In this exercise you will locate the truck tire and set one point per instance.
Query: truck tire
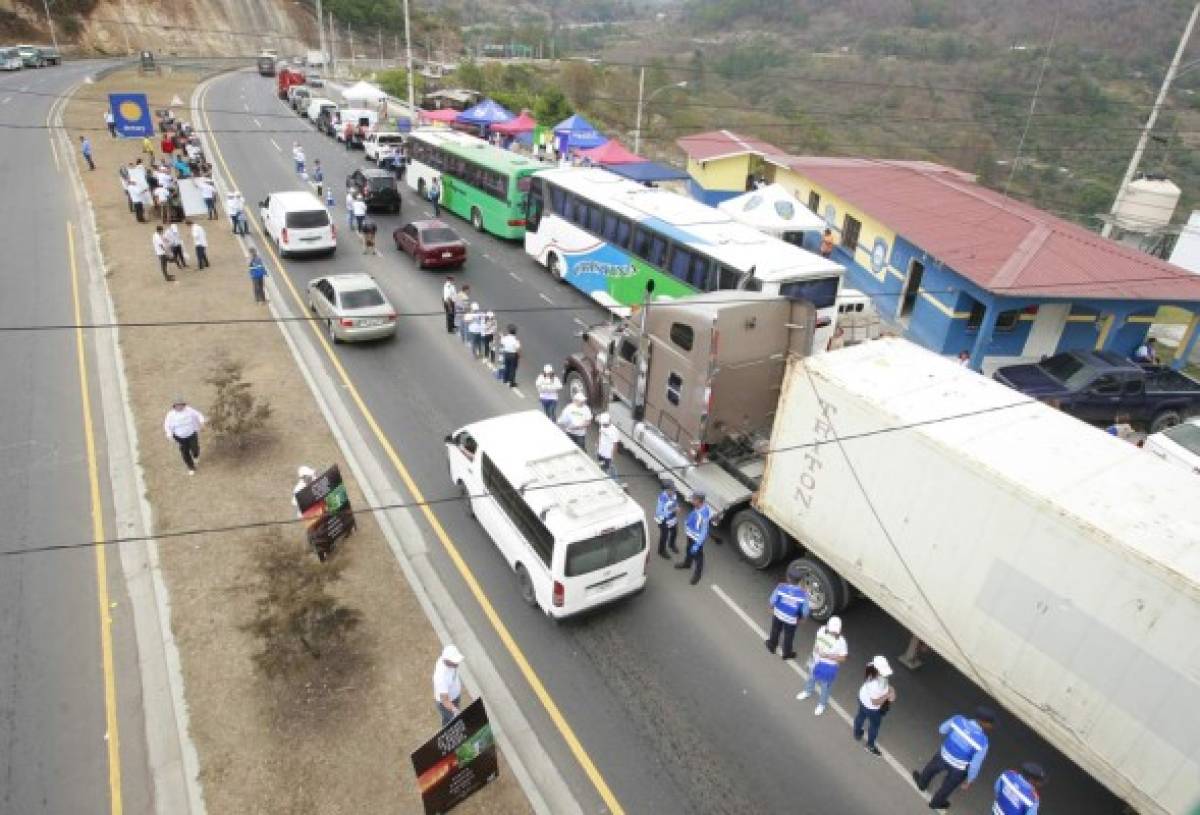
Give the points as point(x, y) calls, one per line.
point(1165, 419)
point(827, 591)
point(758, 540)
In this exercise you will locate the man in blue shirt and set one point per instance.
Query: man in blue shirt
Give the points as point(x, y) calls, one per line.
point(960, 757)
point(666, 515)
point(85, 147)
point(258, 274)
point(696, 528)
point(789, 605)
point(1017, 792)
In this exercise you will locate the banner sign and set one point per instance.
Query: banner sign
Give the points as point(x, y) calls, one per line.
point(456, 762)
point(131, 113)
point(325, 507)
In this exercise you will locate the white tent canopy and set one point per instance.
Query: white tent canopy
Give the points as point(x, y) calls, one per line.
point(772, 209)
point(363, 92)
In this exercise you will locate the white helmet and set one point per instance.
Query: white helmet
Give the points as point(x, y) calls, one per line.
point(549, 369)
point(604, 418)
point(579, 398)
point(474, 307)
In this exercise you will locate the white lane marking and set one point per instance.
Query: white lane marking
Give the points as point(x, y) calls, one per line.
point(580, 323)
point(245, 107)
point(256, 121)
point(517, 393)
point(514, 276)
point(5, 100)
point(547, 299)
point(761, 633)
point(277, 147)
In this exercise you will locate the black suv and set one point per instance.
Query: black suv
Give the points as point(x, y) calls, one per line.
point(378, 188)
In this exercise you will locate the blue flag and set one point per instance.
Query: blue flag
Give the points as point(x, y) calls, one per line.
point(132, 114)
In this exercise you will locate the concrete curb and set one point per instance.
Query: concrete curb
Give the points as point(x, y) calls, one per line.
point(537, 774)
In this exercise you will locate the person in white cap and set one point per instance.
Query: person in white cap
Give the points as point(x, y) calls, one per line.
point(875, 697)
point(575, 420)
point(306, 475)
point(608, 441)
point(828, 654)
point(182, 426)
point(447, 686)
point(548, 385)
point(475, 319)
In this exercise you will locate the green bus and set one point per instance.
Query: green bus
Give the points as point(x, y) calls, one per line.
point(480, 182)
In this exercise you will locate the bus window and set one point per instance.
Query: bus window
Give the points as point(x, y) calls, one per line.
point(558, 200)
point(657, 256)
point(728, 278)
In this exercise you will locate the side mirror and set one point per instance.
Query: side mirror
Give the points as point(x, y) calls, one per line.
point(264, 203)
point(449, 439)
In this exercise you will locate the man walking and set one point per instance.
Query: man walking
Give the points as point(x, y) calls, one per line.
point(449, 298)
point(447, 686)
point(235, 205)
point(435, 196)
point(696, 529)
point(666, 515)
point(318, 177)
point(159, 241)
point(360, 212)
point(200, 244)
point(175, 244)
point(510, 355)
point(209, 191)
point(875, 698)
point(960, 757)
point(1017, 792)
point(85, 147)
point(298, 157)
point(548, 385)
point(182, 426)
point(608, 441)
point(828, 654)
point(575, 420)
point(258, 276)
point(111, 123)
point(369, 229)
point(350, 209)
point(789, 605)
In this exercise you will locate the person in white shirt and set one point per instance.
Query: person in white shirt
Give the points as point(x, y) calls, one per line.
point(306, 475)
point(829, 652)
point(608, 441)
point(447, 685)
point(510, 355)
point(350, 209)
point(874, 698)
point(200, 244)
point(575, 420)
point(135, 200)
point(182, 426)
point(475, 319)
point(489, 333)
point(449, 293)
point(175, 244)
point(359, 207)
point(235, 205)
point(159, 241)
point(111, 123)
point(548, 385)
point(162, 205)
point(209, 192)
point(298, 157)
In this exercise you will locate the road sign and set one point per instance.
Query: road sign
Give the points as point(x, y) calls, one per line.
point(456, 762)
point(131, 113)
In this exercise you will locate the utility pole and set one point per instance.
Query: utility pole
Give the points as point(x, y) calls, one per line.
point(637, 128)
point(320, 35)
point(332, 46)
point(1136, 159)
point(396, 48)
point(350, 31)
point(412, 106)
point(50, 22)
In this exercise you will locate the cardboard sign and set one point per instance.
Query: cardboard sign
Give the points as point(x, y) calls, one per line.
point(456, 762)
point(192, 198)
point(325, 507)
point(131, 114)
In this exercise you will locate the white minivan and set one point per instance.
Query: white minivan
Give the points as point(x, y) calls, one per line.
point(574, 538)
point(298, 223)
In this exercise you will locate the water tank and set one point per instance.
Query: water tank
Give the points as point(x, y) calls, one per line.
point(1148, 204)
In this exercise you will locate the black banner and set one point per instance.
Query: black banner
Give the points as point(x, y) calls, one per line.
point(456, 762)
point(326, 510)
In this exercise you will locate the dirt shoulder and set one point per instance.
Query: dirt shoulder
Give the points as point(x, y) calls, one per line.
point(324, 735)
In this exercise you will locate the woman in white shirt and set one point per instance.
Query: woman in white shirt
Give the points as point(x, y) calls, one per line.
point(874, 698)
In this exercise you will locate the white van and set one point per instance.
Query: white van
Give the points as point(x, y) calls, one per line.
point(572, 535)
point(378, 146)
point(315, 105)
point(297, 222)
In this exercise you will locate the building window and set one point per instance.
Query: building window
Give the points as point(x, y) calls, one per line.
point(1007, 320)
point(850, 229)
point(814, 201)
point(976, 318)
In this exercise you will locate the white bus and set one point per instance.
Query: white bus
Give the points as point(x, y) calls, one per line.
point(574, 538)
point(610, 237)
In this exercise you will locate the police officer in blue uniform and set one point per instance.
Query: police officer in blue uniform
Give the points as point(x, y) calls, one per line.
point(789, 605)
point(696, 529)
point(960, 757)
point(666, 515)
point(1017, 791)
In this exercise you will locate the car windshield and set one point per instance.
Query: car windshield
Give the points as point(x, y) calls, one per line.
point(440, 235)
point(377, 182)
point(361, 298)
point(1186, 435)
point(1067, 369)
point(606, 549)
point(307, 219)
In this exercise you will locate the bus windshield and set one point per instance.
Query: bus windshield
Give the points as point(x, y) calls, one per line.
point(606, 549)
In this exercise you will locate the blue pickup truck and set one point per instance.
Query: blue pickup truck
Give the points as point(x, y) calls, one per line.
point(1097, 386)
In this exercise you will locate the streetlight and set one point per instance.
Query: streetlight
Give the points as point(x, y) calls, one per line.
point(637, 130)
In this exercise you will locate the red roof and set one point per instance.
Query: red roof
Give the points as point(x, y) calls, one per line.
point(1003, 245)
point(440, 115)
point(724, 144)
point(612, 152)
point(520, 124)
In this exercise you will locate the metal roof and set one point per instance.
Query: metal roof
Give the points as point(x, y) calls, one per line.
point(718, 144)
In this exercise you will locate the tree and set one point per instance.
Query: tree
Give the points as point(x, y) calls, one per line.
point(237, 416)
point(551, 107)
point(469, 75)
point(579, 79)
point(395, 82)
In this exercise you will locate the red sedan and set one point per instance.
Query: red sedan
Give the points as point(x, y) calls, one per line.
point(432, 244)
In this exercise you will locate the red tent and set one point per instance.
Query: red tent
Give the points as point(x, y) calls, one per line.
point(443, 115)
point(521, 124)
point(611, 152)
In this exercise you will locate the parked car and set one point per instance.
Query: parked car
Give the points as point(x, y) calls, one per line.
point(378, 188)
point(297, 222)
point(10, 60)
point(378, 145)
point(1179, 445)
point(432, 244)
point(1096, 386)
point(352, 306)
point(50, 55)
point(298, 98)
point(31, 56)
point(315, 81)
point(317, 108)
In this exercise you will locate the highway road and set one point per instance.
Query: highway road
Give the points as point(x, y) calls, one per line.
point(54, 690)
point(671, 693)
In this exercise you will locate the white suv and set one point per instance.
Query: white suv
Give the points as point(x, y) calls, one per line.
point(378, 146)
point(298, 223)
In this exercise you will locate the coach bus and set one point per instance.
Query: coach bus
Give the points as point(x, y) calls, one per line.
point(480, 182)
point(609, 236)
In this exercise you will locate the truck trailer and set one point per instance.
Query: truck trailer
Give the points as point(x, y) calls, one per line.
point(1052, 564)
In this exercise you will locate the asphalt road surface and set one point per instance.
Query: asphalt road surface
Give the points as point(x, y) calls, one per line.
point(53, 739)
point(671, 693)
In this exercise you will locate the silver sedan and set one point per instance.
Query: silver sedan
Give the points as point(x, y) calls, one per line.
point(352, 307)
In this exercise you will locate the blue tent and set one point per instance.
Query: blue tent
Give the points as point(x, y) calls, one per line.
point(647, 171)
point(576, 133)
point(488, 112)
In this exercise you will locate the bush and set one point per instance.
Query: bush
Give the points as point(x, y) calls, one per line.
point(237, 416)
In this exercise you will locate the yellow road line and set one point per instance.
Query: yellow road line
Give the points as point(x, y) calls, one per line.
point(106, 650)
point(489, 611)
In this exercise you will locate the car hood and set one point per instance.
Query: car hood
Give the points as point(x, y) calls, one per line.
point(1030, 379)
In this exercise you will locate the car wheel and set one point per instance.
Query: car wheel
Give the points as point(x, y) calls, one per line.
point(526, 584)
point(554, 262)
point(1168, 418)
point(476, 219)
point(333, 337)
